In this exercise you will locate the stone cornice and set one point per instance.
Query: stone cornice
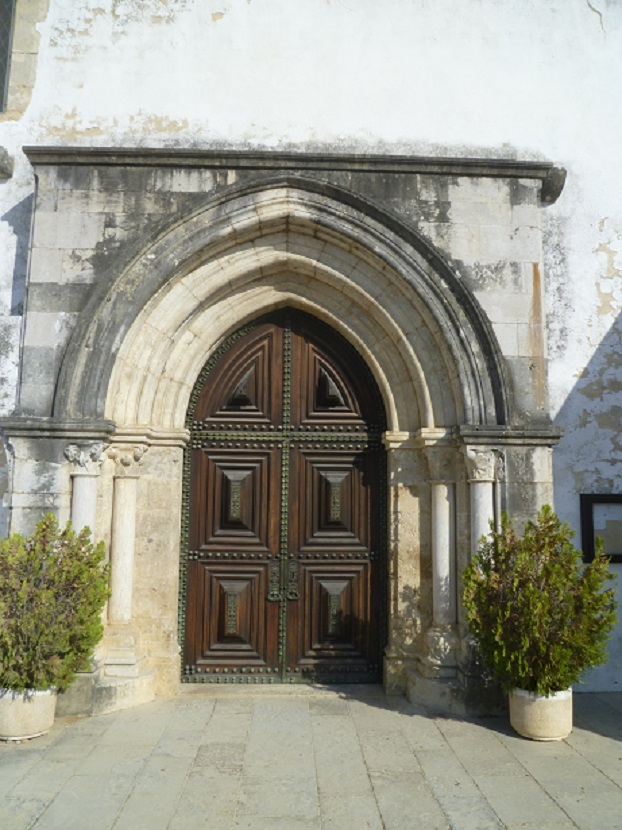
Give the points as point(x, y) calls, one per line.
point(31, 427)
point(152, 436)
point(501, 435)
point(552, 177)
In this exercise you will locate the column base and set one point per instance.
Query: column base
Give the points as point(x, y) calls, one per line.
point(78, 699)
point(439, 694)
point(114, 693)
point(123, 651)
point(93, 693)
point(458, 695)
point(441, 660)
point(394, 673)
point(452, 696)
point(448, 681)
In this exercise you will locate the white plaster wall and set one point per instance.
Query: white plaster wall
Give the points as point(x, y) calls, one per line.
point(509, 78)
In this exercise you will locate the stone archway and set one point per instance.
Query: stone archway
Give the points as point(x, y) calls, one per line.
point(378, 282)
point(423, 337)
point(139, 343)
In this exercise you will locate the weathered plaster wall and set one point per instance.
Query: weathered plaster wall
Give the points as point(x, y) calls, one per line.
point(519, 78)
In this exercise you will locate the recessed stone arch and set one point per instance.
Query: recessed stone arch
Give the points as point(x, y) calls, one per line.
point(143, 342)
point(144, 338)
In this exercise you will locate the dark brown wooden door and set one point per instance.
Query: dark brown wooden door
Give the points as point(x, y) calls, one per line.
point(284, 573)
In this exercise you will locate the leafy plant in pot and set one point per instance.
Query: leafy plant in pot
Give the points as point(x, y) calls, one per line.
point(53, 587)
point(540, 618)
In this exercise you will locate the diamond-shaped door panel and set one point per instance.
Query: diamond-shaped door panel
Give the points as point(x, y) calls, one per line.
point(238, 501)
point(335, 610)
point(245, 388)
point(233, 624)
point(335, 502)
point(235, 602)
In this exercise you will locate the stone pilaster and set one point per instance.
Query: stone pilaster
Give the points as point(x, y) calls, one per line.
point(86, 460)
point(481, 465)
point(441, 638)
point(122, 637)
point(441, 462)
point(403, 461)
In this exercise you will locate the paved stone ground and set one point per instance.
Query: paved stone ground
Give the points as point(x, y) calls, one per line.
point(311, 759)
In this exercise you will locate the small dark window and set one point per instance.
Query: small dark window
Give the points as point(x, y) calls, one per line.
point(601, 517)
point(7, 15)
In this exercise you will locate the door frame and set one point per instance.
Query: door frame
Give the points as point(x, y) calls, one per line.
point(188, 675)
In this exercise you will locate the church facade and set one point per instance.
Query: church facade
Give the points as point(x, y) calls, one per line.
point(289, 384)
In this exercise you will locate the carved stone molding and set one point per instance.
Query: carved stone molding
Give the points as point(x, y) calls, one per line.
point(399, 440)
point(552, 177)
point(552, 185)
point(500, 470)
point(481, 464)
point(443, 644)
point(86, 458)
point(127, 459)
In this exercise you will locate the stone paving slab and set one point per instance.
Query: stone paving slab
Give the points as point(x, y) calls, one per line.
point(308, 758)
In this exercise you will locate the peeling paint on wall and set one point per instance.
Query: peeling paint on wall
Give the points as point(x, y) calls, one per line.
point(611, 254)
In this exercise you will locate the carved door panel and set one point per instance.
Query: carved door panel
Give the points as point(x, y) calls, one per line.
point(285, 507)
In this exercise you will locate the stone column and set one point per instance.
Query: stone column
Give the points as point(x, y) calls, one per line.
point(443, 553)
point(87, 460)
point(443, 521)
point(122, 547)
point(481, 465)
point(441, 639)
point(123, 654)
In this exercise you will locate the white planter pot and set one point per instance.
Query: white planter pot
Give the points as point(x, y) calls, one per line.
point(541, 718)
point(26, 714)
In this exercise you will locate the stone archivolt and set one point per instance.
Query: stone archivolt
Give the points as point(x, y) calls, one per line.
point(260, 250)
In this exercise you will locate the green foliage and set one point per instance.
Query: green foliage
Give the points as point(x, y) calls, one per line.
point(53, 587)
point(539, 616)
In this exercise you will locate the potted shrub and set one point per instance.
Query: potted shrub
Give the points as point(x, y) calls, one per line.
point(540, 618)
point(53, 587)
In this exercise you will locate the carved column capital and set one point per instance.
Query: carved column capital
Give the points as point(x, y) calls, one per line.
point(481, 464)
point(126, 458)
point(86, 458)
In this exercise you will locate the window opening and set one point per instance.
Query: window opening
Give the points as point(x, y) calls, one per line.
point(7, 15)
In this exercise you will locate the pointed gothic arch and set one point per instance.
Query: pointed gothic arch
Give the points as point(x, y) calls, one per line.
point(144, 336)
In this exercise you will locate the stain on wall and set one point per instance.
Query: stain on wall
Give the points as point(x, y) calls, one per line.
point(536, 340)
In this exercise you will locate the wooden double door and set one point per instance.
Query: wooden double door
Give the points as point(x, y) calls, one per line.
point(285, 546)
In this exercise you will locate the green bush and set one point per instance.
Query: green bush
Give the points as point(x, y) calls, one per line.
point(53, 587)
point(539, 616)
